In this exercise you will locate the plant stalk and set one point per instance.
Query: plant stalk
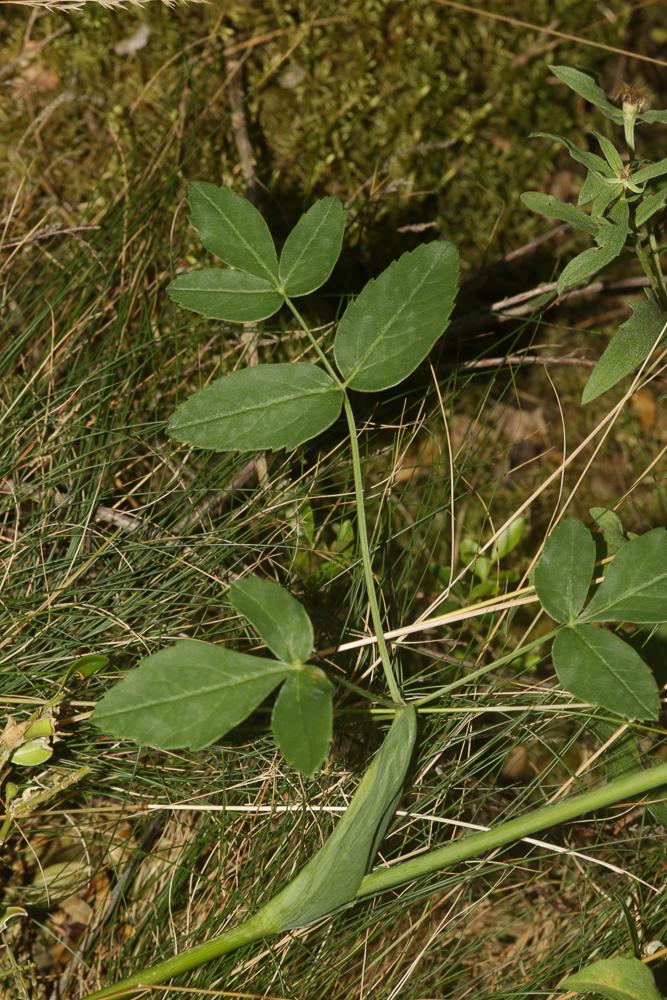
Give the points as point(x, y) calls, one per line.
point(627, 787)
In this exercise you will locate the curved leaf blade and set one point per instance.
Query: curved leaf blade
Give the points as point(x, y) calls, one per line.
point(187, 695)
point(628, 349)
point(553, 208)
point(231, 228)
point(598, 667)
point(615, 979)
point(279, 618)
point(229, 295)
point(312, 248)
point(611, 240)
point(586, 87)
point(397, 318)
point(259, 409)
point(635, 587)
point(564, 573)
point(591, 161)
point(302, 719)
point(332, 877)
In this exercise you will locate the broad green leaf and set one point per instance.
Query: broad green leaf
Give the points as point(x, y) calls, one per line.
point(592, 188)
point(259, 409)
point(231, 295)
point(586, 87)
point(312, 248)
point(611, 527)
point(187, 695)
point(650, 171)
point(610, 153)
point(650, 204)
point(604, 199)
point(598, 667)
point(555, 209)
point(332, 877)
point(302, 719)
point(564, 573)
point(628, 349)
point(635, 587)
point(590, 160)
point(615, 979)
point(231, 228)
point(611, 240)
point(279, 618)
point(397, 318)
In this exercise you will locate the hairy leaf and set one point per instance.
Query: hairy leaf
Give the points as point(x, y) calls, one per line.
point(653, 116)
point(397, 318)
point(187, 695)
point(231, 228)
point(564, 573)
point(302, 719)
point(263, 408)
point(635, 587)
point(651, 203)
point(545, 204)
point(230, 295)
point(610, 153)
point(590, 160)
point(312, 248)
point(615, 979)
point(611, 240)
point(650, 171)
point(598, 667)
point(332, 877)
point(279, 618)
point(628, 349)
point(586, 87)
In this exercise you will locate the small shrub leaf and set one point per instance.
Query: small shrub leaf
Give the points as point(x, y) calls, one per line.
point(628, 349)
point(611, 239)
point(229, 295)
point(279, 618)
point(259, 409)
point(586, 87)
point(564, 572)
point(635, 586)
point(397, 318)
point(649, 172)
point(653, 116)
point(187, 695)
point(598, 667)
point(651, 203)
point(610, 153)
point(302, 719)
point(552, 208)
point(332, 877)
point(615, 979)
point(312, 248)
point(589, 160)
point(231, 228)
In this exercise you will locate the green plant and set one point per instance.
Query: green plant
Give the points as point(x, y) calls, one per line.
point(624, 194)
point(381, 338)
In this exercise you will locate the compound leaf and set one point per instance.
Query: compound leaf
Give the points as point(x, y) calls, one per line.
point(279, 618)
point(611, 239)
point(598, 667)
point(545, 204)
point(564, 573)
point(187, 695)
point(302, 719)
point(635, 587)
point(231, 295)
point(586, 87)
point(332, 877)
point(231, 228)
point(312, 248)
point(397, 318)
point(256, 409)
point(615, 979)
point(628, 349)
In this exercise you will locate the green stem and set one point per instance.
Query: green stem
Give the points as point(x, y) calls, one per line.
point(362, 531)
point(661, 287)
point(627, 787)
